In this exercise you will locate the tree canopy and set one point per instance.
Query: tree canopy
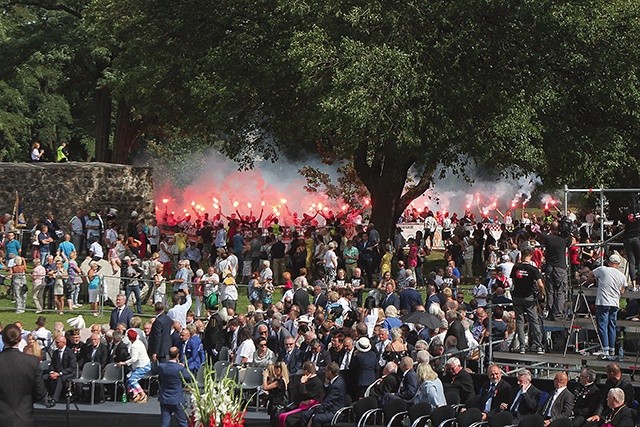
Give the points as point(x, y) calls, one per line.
point(395, 88)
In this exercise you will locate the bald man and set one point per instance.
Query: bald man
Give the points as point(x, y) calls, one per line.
point(560, 403)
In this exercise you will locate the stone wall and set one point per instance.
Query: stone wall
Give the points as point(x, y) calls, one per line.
point(62, 188)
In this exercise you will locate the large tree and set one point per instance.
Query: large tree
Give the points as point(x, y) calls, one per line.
point(398, 88)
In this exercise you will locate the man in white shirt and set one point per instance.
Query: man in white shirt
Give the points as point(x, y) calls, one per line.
point(560, 402)
point(611, 284)
point(95, 250)
point(179, 310)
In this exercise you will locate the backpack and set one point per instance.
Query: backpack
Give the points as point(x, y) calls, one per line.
point(211, 301)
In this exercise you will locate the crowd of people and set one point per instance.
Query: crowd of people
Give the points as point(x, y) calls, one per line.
point(324, 305)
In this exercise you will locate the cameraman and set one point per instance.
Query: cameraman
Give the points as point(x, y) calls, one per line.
point(555, 270)
point(611, 284)
point(527, 286)
point(132, 272)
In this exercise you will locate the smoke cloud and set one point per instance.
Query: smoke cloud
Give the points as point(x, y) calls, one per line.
point(213, 181)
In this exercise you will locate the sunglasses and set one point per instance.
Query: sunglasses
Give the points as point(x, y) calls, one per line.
point(263, 345)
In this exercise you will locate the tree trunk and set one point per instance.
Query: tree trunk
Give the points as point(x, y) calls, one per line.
point(385, 176)
point(103, 123)
point(126, 134)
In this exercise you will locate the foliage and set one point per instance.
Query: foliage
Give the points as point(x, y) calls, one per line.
point(348, 187)
point(45, 81)
point(393, 89)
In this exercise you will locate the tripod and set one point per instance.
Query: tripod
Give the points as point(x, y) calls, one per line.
point(70, 401)
point(581, 298)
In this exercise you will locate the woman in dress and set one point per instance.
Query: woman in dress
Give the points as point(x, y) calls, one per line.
point(310, 393)
point(140, 365)
point(263, 356)
point(371, 315)
point(60, 275)
point(275, 381)
point(94, 286)
point(397, 348)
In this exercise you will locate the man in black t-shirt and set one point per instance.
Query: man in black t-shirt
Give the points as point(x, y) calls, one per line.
point(527, 284)
point(555, 271)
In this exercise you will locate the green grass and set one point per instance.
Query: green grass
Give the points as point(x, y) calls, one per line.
point(28, 319)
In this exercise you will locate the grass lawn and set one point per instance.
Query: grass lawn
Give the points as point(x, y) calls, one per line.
point(28, 319)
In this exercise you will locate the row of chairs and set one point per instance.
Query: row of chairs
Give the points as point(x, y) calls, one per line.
point(365, 412)
point(251, 381)
point(112, 375)
point(395, 413)
point(90, 376)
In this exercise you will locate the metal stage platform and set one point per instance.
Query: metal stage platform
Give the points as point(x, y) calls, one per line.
point(546, 365)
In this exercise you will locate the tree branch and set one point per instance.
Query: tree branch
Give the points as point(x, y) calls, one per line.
point(416, 190)
point(43, 5)
point(360, 164)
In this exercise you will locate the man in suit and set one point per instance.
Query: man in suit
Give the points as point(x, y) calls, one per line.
point(301, 296)
point(334, 398)
point(277, 337)
point(494, 393)
point(461, 381)
point(614, 380)
point(171, 396)
point(160, 337)
point(586, 400)
point(20, 381)
point(560, 402)
point(319, 297)
point(318, 355)
point(524, 399)
point(231, 339)
point(95, 351)
point(410, 298)
point(388, 383)
point(191, 351)
point(120, 314)
point(391, 298)
point(291, 356)
point(456, 329)
point(62, 369)
point(408, 383)
point(119, 351)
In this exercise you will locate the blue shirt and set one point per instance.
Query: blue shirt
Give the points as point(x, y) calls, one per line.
point(12, 247)
point(67, 248)
point(238, 243)
point(183, 273)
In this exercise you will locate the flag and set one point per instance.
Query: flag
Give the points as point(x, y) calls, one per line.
point(18, 213)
